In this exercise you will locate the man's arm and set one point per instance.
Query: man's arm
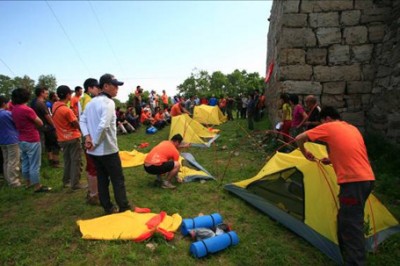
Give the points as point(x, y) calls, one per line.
point(300, 140)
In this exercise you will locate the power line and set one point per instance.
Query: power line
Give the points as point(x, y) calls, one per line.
point(105, 36)
point(66, 35)
point(4, 63)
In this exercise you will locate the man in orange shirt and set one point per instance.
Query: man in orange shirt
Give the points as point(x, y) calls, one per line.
point(75, 100)
point(164, 159)
point(159, 121)
point(349, 158)
point(178, 109)
point(164, 99)
point(68, 136)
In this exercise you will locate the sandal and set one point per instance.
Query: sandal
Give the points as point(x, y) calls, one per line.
point(43, 189)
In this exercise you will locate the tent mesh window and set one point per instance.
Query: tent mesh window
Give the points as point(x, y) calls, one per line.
point(284, 189)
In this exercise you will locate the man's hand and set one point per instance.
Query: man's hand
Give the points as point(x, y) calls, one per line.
point(309, 156)
point(89, 143)
point(325, 161)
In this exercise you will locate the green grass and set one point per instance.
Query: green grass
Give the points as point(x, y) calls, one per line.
point(41, 229)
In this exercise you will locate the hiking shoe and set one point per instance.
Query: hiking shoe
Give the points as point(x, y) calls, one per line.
point(167, 184)
point(94, 200)
point(43, 189)
point(112, 210)
point(79, 186)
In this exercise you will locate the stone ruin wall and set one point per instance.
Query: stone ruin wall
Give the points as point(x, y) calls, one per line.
point(347, 53)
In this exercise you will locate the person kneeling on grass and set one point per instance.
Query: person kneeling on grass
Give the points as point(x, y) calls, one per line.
point(164, 159)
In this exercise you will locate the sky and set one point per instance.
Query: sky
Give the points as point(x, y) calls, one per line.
point(154, 44)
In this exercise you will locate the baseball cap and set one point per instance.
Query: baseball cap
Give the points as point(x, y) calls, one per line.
point(108, 78)
point(63, 91)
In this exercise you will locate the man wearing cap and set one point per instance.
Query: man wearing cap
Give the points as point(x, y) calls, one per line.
point(68, 137)
point(91, 89)
point(98, 125)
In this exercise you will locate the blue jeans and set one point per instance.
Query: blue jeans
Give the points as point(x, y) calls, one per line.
point(31, 161)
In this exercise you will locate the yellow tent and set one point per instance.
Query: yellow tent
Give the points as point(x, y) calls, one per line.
point(210, 115)
point(302, 195)
point(192, 131)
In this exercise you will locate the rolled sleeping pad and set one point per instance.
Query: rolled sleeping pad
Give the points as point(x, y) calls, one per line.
point(206, 221)
point(214, 244)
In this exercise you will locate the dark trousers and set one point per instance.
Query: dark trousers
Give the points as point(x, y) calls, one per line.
point(108, 168)
point(72, 153)
point(352, 198)
point(250, 120)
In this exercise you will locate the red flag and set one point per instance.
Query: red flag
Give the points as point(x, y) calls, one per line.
point(269, 72)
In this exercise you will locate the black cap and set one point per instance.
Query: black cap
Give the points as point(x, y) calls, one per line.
point(63, 91)
point(108, 78)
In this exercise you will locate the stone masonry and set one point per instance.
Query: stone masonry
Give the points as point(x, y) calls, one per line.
point(345, 52)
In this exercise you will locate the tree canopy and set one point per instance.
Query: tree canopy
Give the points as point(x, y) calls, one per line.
point(202, 84)
point(7, 84)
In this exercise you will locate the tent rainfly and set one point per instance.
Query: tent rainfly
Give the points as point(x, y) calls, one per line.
point(192, 131)
point(209, 115)
point(302, 195)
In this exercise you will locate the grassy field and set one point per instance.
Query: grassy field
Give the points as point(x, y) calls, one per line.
point(41, 229)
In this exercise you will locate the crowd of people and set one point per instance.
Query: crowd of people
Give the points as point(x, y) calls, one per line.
point(61, 121)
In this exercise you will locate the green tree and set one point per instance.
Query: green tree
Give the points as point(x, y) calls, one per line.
point(219, 84)
point(25, 82)
point(6, 85)
point(48, 81)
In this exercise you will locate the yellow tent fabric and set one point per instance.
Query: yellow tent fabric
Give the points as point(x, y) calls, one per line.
point(318, 196)
point(210, 115)
point(124, 226)
point(131, 158)
point(192, 131)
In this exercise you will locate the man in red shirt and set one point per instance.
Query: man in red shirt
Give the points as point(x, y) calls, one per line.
point(178, 109)
point(164, 159)
point(349, 158)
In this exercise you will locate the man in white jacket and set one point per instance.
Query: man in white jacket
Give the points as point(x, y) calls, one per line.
point(98, 125)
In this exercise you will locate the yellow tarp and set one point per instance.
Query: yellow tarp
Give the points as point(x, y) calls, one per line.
point(125, 226)
point(210, 115)
point(132, 158)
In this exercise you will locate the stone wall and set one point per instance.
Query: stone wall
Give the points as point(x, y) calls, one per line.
point(346, 52)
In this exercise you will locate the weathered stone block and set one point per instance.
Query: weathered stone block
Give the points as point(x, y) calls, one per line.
point(382, 82)
point(359, 87)
point(337, 73)
point(384, 71)
point(355, 35)
point(338, 54)
point(363, 4)
point(316, 56)
point(357, 118)
point(336, 100)
point(375, 15)
point(294, 20)
point(350, 17)
point(328, 36)
point(353, 103)
point(296, 72)
point(322, 6)
point(334, 87)
point(362, 53)
point(291, 6)
point(330, 19)
point(376, 33)
point(297, 37)
point(302, 87)
point(366, 100)
point(377, 89)
point(368, 72)
point(292, 57)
